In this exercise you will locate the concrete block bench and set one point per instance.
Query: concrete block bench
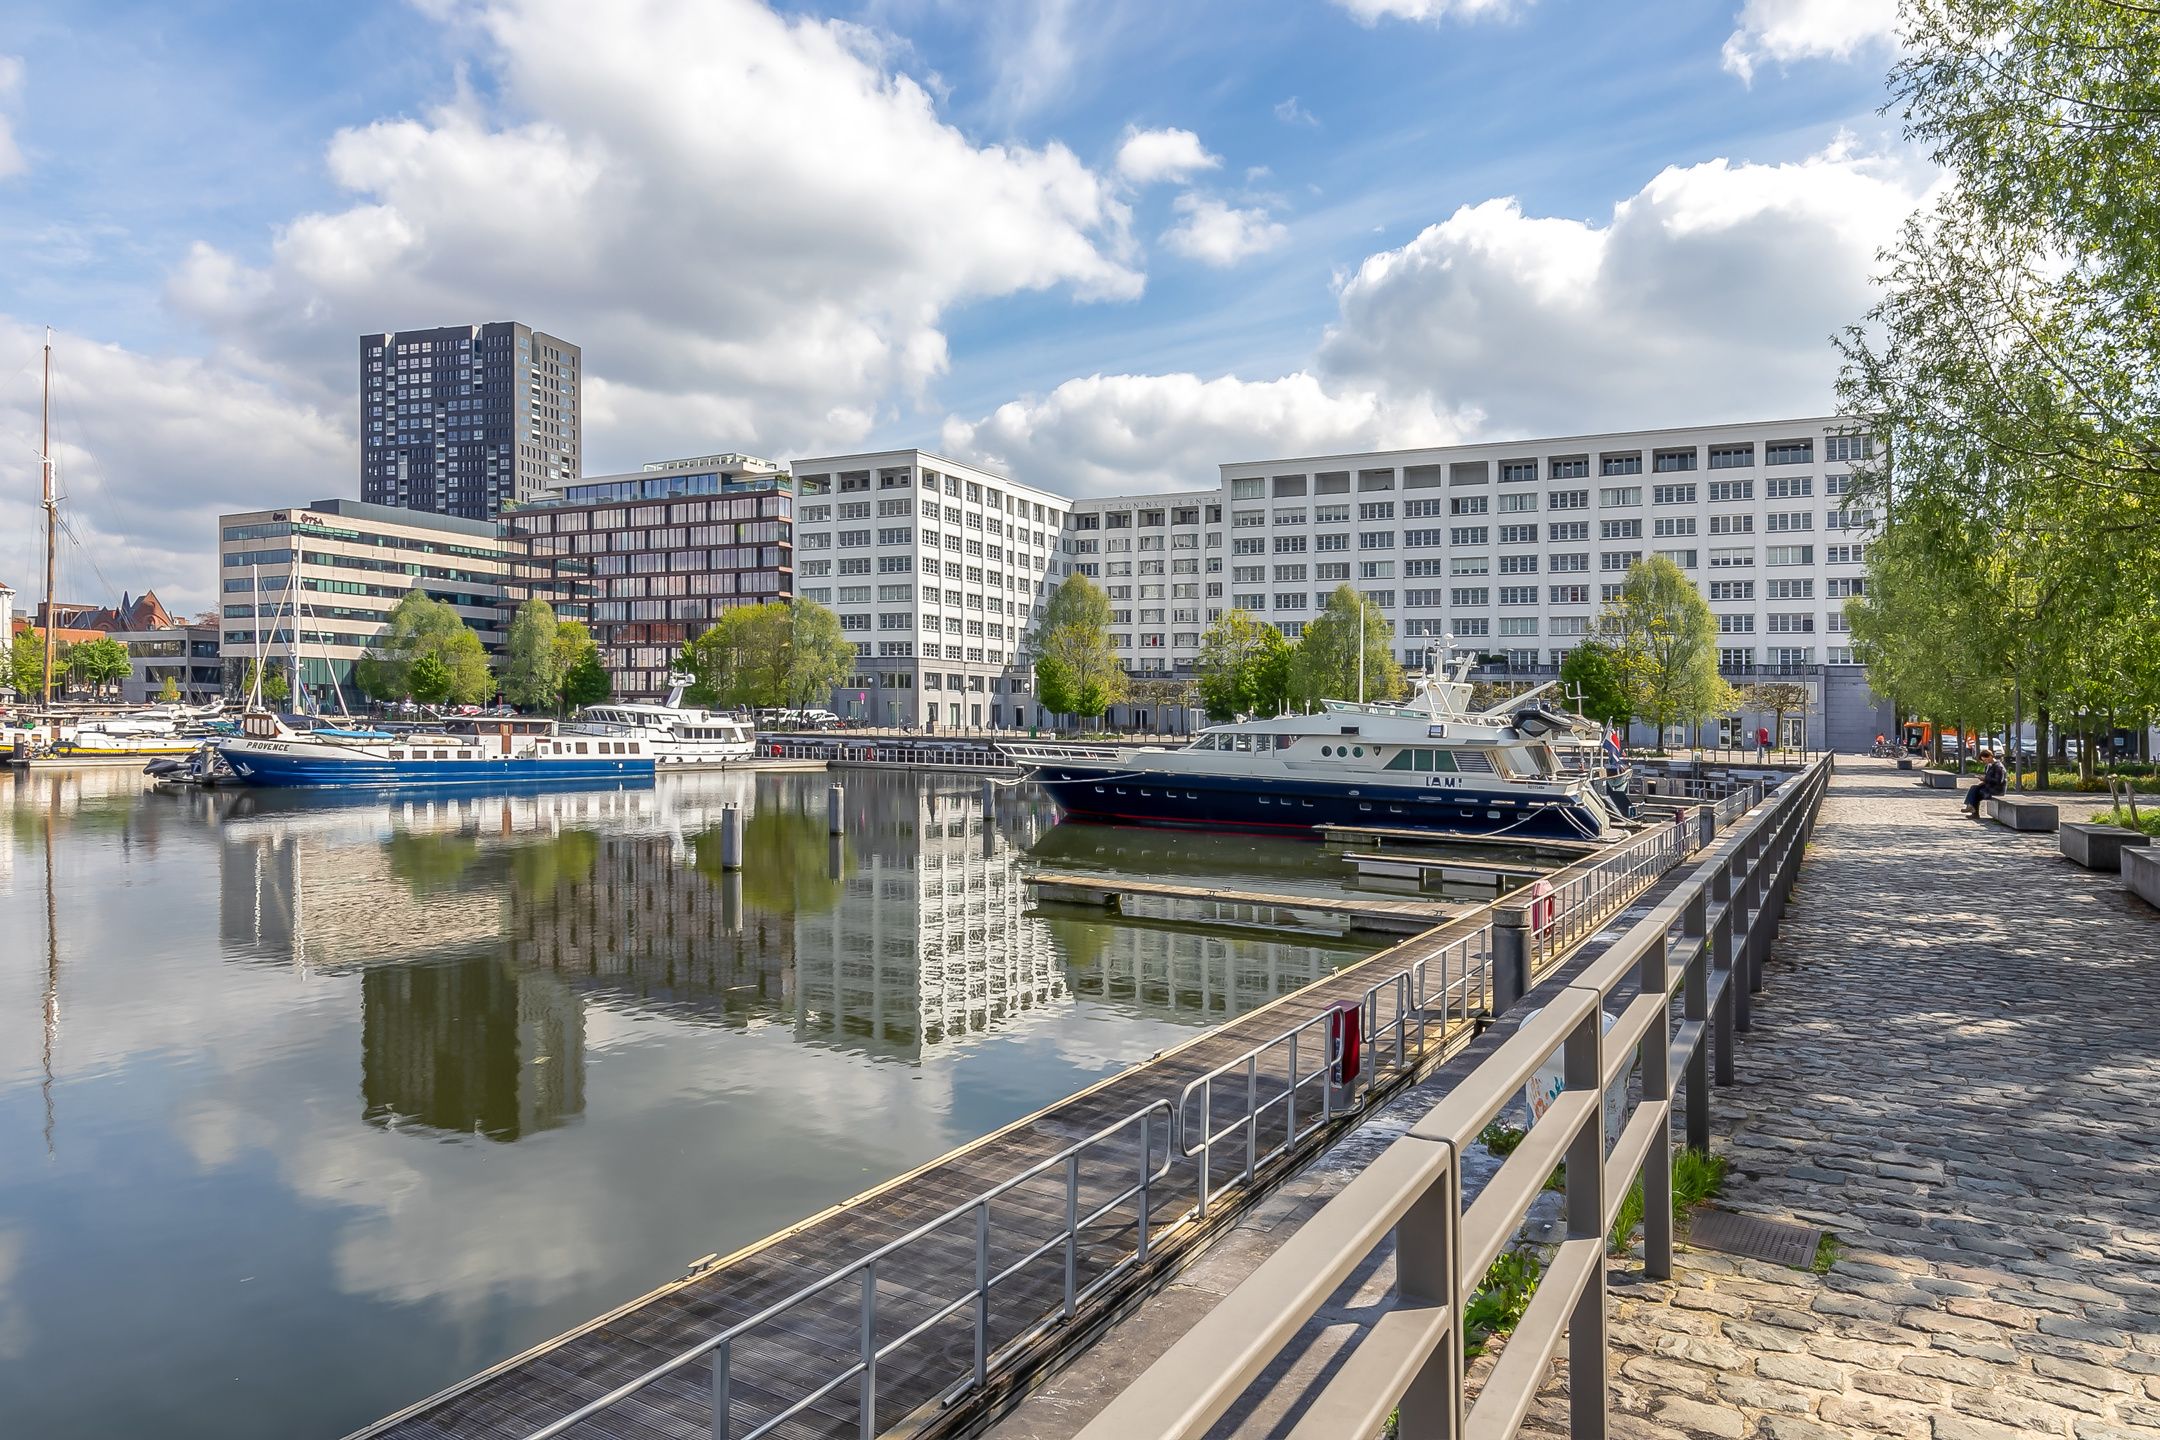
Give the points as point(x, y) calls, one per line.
point(2098, 847)
point(1939, 779)
point(2021, 814)
point(2141, 874)
point(1905, 764)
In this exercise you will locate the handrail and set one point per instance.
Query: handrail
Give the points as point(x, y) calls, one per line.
point(1448, 983)
point(1703, 945)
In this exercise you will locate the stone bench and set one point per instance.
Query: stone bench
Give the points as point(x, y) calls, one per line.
point(2098, 847)
point(1906, 763)
point(2021, 814)
point(1939, 779)
point(2141, 874)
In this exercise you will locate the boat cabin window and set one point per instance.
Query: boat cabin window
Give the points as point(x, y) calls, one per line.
point(1205, 742)
point(1423, 760)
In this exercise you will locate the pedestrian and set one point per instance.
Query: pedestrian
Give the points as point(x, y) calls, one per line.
point(1993, 781)
point(1762, 743)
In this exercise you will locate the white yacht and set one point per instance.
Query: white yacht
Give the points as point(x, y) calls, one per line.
point(1428, 763)
point(672, 733)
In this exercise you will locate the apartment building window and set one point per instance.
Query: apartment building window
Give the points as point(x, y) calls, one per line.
point(1419, 539)
point(1518, 595)
point(1732, 524)
point(1376, 570)
point(1836, 484)
point(1518, 534)
point(1619, 529)
point(1518, 504)
point(1836, 623)
point(904, 536)
point(1256, 545)
point(1838, 655)
point(1569, 562)
point(1254, 603)
point(1469, 504)
point(1569, 594)
point(1470, 565)
point(1290, 600)
point(1614, 497)
point(1424, 509)
point(811, 514)
point(1518, 564)
point(1736, 659)
point(1849, 447)
point(1732, 457)
point(1332, 570)
point(1378, 510)
point(1567, 532)
point(1469, 596)
point(1569, 467)
point(1567, 625)
point(1331, 515)
point(1471, 627)
point(1620, 464)
point(1511, 470)
point(1725, 559)
point(1326, 543)
point(1789, 452)
point(1846, 554)
point(1790, 589)
point(1287, 572)
point(1290, 517)
point(1849, 520)
point(1422, 599)
point(1247, 489)
point(1469, 535)
point(1247, 519)
point(1732, 590)
point(1788, 520)
point(1669, 461)
point(1570, 500)
point(1843, 589)
point(1672, 494)
point(1376, 540)
point(1792, 624)
point(1789, 555)
point(1284, 485)
point(1685, 559)
point(1619, 559)
point(1519, 625)
point(1385, 599)
point(1289, 544)
point(1609, 593)
point(1728, 491)
point(1736, 624)
point(1795, 487)
point(1668, 526)
point(1791, 657)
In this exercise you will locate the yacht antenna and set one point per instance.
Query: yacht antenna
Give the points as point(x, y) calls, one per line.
point(1361, 650)
point(52, 520)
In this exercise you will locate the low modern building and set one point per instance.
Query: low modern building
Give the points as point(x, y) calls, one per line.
point(188, 655)
point(936, 570)
point(310, 587)
point(649, 559)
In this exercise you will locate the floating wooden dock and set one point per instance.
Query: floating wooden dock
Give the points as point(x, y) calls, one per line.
point(1378, 835)
point(1242, 907)
point(1438, 869)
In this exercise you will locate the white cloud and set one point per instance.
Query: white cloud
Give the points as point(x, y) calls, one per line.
point(1151, 155)
point(1215, 232)
point(743, 218)
point(149, 450)
point(1115, 433)
point(1711, 292)
point(1372, 12)
point(11, 156)
point(1787, 30)
point(1290, 112)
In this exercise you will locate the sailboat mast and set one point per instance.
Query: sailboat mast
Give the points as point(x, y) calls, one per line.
point(52, 516)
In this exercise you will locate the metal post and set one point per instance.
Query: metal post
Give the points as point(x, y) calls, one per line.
point(1584, 1067)
point(835, 810)
point(1072, 1237)
point(867, 1416)
point(1721, 955)
point(1427, 1257)
point(1655, 1057)
point(720, 1366)
point(1511, 956)
point(982, 1293)
point(1706, 832)
point(1697, 1010)
point(730, 838)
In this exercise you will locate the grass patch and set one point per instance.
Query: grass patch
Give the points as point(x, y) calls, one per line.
point(1827, 1251)
point(1500, 1300)
point(1629, 1218)
point(2148, 819)
point(1697, 1176)
point(1501, 1139)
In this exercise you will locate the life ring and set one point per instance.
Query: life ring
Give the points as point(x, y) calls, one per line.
point(1544, 906)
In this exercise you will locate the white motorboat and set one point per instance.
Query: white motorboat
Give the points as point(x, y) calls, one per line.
point(671, 732)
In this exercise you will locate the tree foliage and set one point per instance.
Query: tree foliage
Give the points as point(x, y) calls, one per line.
point(1074, 661)
point(274, 688)
point(1593, 670)
point(169, 691)
point(1325, 666)
point(421, 627)
point(98, 663)
point(587, 682)
point(778, 655)
point(1777, 699)
point(1244, 666)
point(1664, 640)
point(533, 663)
point(26, 663)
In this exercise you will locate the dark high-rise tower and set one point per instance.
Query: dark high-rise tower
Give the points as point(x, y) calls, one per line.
point(463, 419)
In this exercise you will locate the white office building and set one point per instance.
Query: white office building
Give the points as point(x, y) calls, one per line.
point(936, 570)
point(1512, 547)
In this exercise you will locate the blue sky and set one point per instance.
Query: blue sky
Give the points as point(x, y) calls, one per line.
point(908, 223)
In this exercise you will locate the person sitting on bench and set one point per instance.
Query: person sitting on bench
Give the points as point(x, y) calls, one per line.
point(1993, 781)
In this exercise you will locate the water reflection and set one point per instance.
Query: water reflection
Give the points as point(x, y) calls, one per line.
point(473, 1046)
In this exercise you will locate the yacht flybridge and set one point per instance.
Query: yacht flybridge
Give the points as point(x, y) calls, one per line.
point(1426, 763)
point(670, 732)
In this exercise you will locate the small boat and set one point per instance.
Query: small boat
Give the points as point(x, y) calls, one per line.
point(674, 734)
point(1428, 763)
point(269, 751)
point(143, 732)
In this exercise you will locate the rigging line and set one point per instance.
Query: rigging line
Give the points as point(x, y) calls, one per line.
point(67, 528)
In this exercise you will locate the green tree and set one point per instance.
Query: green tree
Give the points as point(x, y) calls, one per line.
point(169, 692)
point(1593, 669)
point(422, 627)
point(1326, 666)
point(1777, 699)
point(1664, 638)
point(26, 663)
point(1244, 667)
point(1073, 637)
point(274, 688)
point(98, 663)
point(781, 654)
point(428, 680)
point(532, 660)
point(588, 682)
point(573, 642)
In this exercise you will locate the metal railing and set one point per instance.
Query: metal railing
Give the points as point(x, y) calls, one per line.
point(1703, 946)
point(1276, 1099)
point(960, 757)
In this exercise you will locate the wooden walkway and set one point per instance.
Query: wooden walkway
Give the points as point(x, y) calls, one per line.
point(804, 1349)
point(1368, 912)
point(1443, 868)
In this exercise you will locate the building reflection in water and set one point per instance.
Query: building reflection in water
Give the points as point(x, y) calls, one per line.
point(482, 926)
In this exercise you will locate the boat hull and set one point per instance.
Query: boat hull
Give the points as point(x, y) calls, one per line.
point(279, 763)
point(1284, 804)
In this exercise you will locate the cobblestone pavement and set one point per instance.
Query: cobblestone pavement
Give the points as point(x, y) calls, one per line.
point(1955, 1067)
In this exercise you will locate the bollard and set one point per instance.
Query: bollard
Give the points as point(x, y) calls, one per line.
point(835, 857)
point(835, 810)
point(1706, 834)
point(22, 751)
point(731, 902)
point(1511, 956)
point(730, 838)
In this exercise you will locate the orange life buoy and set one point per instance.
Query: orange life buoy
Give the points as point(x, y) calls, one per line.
point(1544, 905)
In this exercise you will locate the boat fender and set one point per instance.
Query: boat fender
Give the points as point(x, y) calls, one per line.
point(1345, 1029)
point(1544, 906)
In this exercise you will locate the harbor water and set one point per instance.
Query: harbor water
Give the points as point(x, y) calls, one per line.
point(313, 1104)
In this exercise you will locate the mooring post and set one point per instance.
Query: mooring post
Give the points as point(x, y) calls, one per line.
point(1510, 956)
point(730, 838)
point(835, 810)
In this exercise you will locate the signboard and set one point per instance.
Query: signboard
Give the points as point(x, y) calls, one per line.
point(1550, 1080)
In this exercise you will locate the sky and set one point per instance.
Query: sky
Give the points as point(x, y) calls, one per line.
point(1100, 247)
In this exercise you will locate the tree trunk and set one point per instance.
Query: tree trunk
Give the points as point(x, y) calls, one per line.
point(2086, 759)
point(2040, 747)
